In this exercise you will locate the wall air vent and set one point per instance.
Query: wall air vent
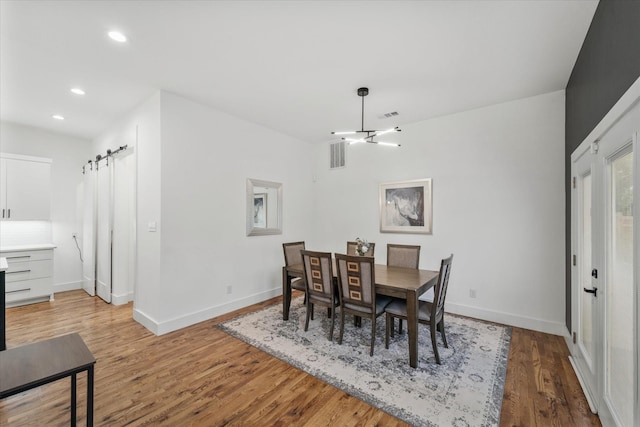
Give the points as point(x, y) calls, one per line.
point(337, 151)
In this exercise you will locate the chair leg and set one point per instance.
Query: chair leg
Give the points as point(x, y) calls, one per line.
point(333, 317)
point(309, 311)
point(444, 337)
point(373, 333)
point(399, 326)
point(393, 325)
point(388, 327)
point(341, 325)
point(432, 328)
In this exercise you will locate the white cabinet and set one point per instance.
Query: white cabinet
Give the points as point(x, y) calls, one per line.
point(29, 277)
point(25, 188)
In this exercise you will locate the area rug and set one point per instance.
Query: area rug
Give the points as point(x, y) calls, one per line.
point(466, 390)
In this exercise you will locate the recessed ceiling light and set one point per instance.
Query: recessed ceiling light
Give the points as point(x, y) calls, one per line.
point(77, 91)
point(117, 36)
point(58, 117)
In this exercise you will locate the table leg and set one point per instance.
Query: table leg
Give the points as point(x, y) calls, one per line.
point(90, 396)
point(286, 293)
point(73, 399)
point(412, 327)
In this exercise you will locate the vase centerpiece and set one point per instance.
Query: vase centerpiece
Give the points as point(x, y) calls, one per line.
point(362, 246)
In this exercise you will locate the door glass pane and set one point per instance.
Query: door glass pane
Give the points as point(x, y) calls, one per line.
point(586, 300)
point(620, 301)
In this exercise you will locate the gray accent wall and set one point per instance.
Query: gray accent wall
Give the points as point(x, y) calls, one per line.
point(607, 65)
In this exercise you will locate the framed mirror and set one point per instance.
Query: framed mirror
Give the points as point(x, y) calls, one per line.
point(264, 207)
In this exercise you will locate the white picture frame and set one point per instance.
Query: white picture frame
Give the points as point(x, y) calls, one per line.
point(406, 207)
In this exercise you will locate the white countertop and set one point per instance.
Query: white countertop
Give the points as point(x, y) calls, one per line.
point(32, 247)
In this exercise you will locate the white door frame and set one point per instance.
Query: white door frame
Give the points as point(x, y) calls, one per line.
point(625, 104)
point(584, 363)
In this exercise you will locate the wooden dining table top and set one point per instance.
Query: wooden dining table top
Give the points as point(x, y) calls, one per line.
point(392, 281)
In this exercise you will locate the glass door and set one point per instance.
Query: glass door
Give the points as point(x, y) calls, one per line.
point(617, 164)
point(616, 251)
point(621, 369)
point(585, 309)
point(605, 270)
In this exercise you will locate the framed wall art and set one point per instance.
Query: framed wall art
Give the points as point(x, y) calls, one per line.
point(406, 207)
point(260, 210)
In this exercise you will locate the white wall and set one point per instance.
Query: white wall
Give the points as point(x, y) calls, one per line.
point(68, 154)
point(204, 158)
point(498, 206)
point(497, 189)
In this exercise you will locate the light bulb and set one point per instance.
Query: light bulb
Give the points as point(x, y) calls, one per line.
point(117, 36)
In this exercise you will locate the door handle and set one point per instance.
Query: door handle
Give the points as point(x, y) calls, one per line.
point(593, 291)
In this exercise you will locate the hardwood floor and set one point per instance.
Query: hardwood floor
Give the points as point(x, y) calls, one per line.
point(200, 376)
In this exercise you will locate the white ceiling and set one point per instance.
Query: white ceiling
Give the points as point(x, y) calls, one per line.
point(292, 66)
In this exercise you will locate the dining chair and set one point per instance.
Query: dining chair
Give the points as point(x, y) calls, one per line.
point(357, 291)
point(407, 256)
point(318, 273)
point(351, 249)
point(431, 314)
point(292, 256)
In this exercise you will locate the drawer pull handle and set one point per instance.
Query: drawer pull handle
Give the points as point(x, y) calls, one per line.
point(18, 290)
point(19, 271)
point(18, 257)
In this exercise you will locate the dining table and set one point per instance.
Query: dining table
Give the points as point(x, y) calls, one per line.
point(398, 282)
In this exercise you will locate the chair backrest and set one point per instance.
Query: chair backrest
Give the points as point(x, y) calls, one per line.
point(292, 252)
point(407, 256)
point(356, 281)
point(318, 272)
point(440, 291)
point(351, 249)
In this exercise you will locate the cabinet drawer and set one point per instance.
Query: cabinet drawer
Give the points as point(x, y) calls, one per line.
point(27, 289)
point(19, 271)
point(21, 256)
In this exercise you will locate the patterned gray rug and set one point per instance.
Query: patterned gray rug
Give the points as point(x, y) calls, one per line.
point(466, 390)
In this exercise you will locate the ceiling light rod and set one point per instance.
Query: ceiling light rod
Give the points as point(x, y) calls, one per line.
point(362, 92)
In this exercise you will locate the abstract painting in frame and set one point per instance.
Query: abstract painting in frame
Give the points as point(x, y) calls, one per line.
point(260, 210)
point(406, 207)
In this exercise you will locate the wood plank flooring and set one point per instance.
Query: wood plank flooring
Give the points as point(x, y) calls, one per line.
point(200, 376)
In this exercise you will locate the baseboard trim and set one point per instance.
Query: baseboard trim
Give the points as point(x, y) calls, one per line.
point(166, 326)
point(121, 299)
point(548, 327)
point(146, 321)
point(586, 393)
point(68, 286)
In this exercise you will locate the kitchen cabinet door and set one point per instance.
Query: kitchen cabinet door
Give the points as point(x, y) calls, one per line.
point(26, 190)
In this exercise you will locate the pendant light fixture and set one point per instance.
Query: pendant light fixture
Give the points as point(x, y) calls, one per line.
point(366, 135)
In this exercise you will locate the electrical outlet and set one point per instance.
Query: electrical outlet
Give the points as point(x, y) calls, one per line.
point(229, 289)
point(472, 293)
